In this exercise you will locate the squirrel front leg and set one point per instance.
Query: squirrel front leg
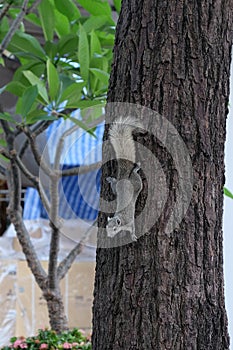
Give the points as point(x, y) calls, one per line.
point(113, 182)
point(123, 220)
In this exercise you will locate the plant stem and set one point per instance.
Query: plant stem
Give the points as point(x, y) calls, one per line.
point(15, 25)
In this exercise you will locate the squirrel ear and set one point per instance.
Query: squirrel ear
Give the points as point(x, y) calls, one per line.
point(137, 167)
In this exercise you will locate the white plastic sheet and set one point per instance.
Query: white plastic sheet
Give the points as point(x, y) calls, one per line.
point(23, 309)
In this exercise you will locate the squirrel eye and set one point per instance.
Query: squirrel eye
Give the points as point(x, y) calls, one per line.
point(118, 221)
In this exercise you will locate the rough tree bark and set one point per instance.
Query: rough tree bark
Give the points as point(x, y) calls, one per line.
point(3, 218)
point(166, 291)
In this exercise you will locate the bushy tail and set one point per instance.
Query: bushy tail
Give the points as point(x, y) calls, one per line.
point(121, 137)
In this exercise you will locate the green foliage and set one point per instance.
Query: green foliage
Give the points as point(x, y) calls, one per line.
point(227, 193)
point(47, 18)
point(83, 53)
point(117, 4)
point(49, 339)
point(53, 80)
point(70, 69)
point(96, 7)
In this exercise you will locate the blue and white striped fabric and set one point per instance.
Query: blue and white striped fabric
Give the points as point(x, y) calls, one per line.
point(79, 195)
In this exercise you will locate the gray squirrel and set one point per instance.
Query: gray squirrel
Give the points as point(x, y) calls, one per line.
point(128, 183)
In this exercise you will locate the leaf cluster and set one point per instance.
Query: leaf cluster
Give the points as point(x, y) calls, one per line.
point(69, 67)
point(49, 339)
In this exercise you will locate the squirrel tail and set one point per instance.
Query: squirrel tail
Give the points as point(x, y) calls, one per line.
point(121, 137)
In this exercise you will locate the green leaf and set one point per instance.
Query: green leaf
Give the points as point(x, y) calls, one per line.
point(106, 40)
point(16, 88)
point(93, 113)
point(36, 67)
point(34, 80)
point(22, 42)
point(101, 75)
point(51, 49)
point(46, 13)
point(6, 116)
point(84, 104)
point(81, 125)
point(28, 99)
point(96, 8)
point(4, 25)
point(4, 158)
point(62, 24)
point(72, 93)
point(68, 44)
point(18, 107)
point(83, 53)
point(117, 4)
point(33, 18)
point(38, 115)
point(96, 22)
point(3, 143)
point(227, 193)
point(97, 62)
point(53, 80)
point(95, 44)
point(68, 8)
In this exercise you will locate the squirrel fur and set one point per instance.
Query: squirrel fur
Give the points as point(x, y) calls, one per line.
point(128, 183)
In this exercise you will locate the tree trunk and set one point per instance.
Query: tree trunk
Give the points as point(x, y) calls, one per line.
point(166, 291)
point(57, 316)
point(3, 205)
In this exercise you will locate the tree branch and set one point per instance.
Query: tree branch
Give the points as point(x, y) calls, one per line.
point(27, 247)
point(40, 127)
point(23, 148)
point(77, 170)
point(66, 263)
point(15, 211)
point(15, 25)
point(33, 6)
point(2, 170)
point(55, 235)
point(54, 193)
point(37, 129)
point(80, 170)
point(35, 182)
point(5, 10)
point(5, 153)
point(41, 163)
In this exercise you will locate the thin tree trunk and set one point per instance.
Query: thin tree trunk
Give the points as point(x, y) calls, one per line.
point(48, 283)
point(56, 311)
point(3, 205)
point(166, 291)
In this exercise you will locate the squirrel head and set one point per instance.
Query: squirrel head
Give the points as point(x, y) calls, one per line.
point(113, 226)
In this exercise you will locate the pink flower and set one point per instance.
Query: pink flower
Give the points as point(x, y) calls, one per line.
point(43, 346)
point(67, 346)
point(19, 343)
point(74, 344)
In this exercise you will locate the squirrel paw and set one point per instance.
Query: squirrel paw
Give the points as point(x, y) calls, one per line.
point(134, 237)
